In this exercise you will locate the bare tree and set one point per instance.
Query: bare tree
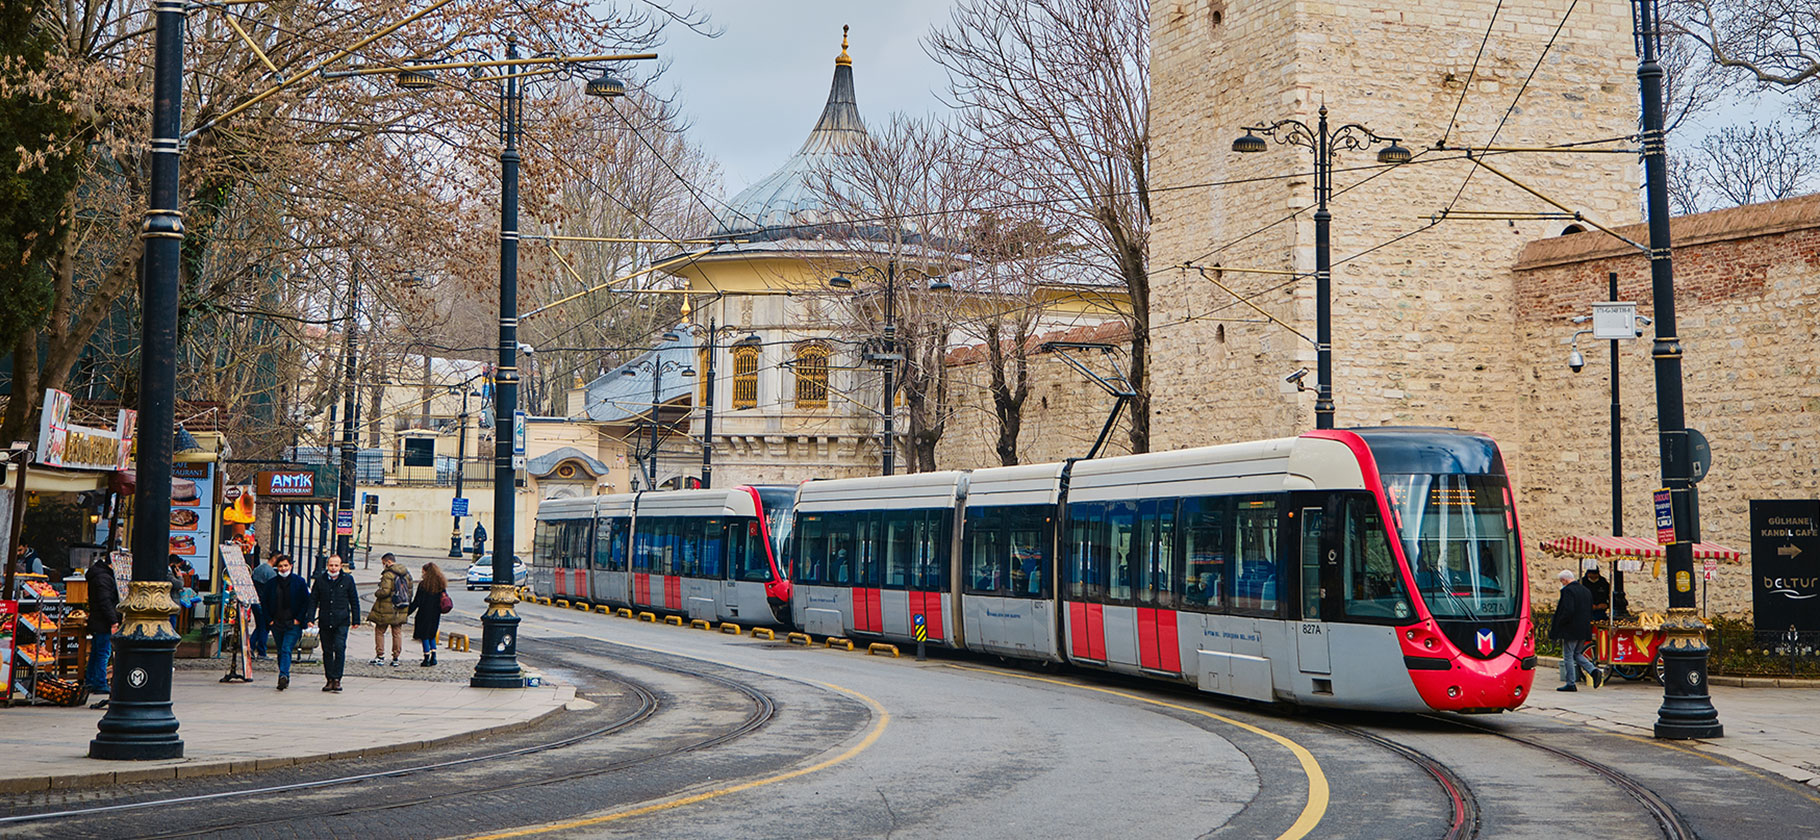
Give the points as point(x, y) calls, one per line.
point(1749, 164)
point(1058, 93)
point(896, 202)
point(1776, 42)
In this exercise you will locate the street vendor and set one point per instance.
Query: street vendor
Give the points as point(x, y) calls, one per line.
point(1601, 593)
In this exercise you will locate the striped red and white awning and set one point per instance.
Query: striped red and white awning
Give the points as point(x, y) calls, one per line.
point(1642, 548)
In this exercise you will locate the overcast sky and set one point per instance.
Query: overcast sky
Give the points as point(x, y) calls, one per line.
point(753, 93)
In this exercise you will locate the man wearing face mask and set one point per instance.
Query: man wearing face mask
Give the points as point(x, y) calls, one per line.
point(286, 598)
point(334, 607)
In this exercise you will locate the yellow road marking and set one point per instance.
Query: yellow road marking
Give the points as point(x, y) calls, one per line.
point(881, 719)
point(1317, 780)
point(878, 728)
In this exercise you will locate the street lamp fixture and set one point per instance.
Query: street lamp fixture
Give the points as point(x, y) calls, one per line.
point(751, 340)
point(887, 356)
point(1324, 143)
point(606, 86)
point(412, 79)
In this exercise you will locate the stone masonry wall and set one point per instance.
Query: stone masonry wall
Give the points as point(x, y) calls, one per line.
point(1062, 417)
point(1747, 298)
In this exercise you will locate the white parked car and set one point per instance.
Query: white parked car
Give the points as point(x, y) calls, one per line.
point(480, 573)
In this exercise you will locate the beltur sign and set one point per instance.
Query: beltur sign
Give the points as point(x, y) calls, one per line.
point(1785, 564)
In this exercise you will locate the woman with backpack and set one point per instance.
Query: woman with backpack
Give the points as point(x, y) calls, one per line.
point(431, 602)
point(391, 603)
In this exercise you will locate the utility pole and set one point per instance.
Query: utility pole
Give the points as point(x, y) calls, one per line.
point(350, 405)
point(1687, 709)
point(461, 460)
point(707, 422)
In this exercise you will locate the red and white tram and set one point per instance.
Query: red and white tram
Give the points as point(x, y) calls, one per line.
point(708, 554)
point(1373, 569)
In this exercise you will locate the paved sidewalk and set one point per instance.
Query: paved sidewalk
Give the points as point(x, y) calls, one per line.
point(237, 728)
point(1771, 729)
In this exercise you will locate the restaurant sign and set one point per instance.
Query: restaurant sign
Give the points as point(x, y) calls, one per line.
point(65, 444)
point(285, 484)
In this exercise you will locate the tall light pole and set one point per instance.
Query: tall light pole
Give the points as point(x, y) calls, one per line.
point(140, 723)
point(461, 461)
point(1577, 362)
point(1325, 144)
point(656, 368)
point(712, 333)
point(498, 666)
point(1687, 709)
point(350, 423)
point(888, 357)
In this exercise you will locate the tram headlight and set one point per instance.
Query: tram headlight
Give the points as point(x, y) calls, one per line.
point(1409, 634)
point(1428, 643)
point(1518, 692)
point(1453, 691)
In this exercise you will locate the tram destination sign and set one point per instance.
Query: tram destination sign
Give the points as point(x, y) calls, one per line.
point(1785, 564)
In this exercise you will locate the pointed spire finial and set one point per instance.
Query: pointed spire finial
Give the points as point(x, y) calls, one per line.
point(843, 58)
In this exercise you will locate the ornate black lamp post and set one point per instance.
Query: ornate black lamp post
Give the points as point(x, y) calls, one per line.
point(498, 667)
point(657, 369)
point(888, 357)
point(140, 723)
point(712, 332)
point(1687, 709)
point(1325, 144)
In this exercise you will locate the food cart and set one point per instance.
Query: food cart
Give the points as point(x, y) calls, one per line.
point(1630, 642)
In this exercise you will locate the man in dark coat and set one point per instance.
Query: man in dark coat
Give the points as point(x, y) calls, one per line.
point(480, 540)
point(286, 599)
point(1600, 588)
point(334, 607)
point(1573, 627)
point(103, 620)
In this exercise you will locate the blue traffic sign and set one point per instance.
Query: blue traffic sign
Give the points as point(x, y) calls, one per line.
point(458, 507)
point(918, 620)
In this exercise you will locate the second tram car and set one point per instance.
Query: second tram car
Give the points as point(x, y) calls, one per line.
point(708, 554)
point(1373, 569)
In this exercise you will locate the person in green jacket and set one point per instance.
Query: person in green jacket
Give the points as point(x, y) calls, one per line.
point(391, 605)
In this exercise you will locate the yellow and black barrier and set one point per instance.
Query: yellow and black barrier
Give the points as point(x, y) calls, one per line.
point(799, 639)
point(881, 649)
point(624, 612)
point(836, 641)
point(673, 619)
point(766, 633)
point(562, 603)
point(457, 641)
point(603, 609)
point(701, 624)
point(647, 616)
point(730, 628)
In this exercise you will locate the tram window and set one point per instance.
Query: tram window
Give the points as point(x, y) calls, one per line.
point(1027, 535)
point(1204, 541)
point(746, 551)
point(1372, 582)
point(603, 544)
point(899, 546)
point(866, 549)
point(1153, 559)
point(663, 559)
point(1121, 532)
point(839, 571)
point(641, 547)
point(712, 549)
point(1255, 555)
point(1087, 551)
point(617, 559)
point(812, 537)
point(983, 563)
point(929, 572)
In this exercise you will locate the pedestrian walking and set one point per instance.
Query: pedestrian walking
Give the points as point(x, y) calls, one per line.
point(1573, 627)
point(430, 602)
point(334, 607)
point(391, 605)
point(287, 605)
point(480, 540)
point(103, 620)
point(262, 623)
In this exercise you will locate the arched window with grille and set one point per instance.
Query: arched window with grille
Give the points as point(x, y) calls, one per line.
point(745, 377)
point(812, 377)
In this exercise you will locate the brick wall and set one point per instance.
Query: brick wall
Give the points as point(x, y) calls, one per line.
point(1747, 298)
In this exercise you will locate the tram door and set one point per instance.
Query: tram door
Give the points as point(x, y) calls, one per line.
point(1314, 556)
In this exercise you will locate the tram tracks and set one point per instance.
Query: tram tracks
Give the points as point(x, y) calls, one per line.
point(1463, 819)
point(648, 702)
point(1667, 819)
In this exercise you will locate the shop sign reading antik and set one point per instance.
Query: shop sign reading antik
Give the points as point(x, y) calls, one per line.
point(65, 444)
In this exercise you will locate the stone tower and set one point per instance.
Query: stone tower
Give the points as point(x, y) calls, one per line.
point(1424, 325)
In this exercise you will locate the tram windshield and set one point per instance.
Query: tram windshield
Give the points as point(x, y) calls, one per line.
point(1459, 533)
point(779, 503)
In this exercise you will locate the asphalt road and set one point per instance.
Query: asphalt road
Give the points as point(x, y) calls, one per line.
point(704, 735)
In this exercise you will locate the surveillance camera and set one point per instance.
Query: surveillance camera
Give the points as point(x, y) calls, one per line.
point(1575, 361)
point(526, 349)
point(1297, 379)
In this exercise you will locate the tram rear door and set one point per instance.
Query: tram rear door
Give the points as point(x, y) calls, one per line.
point(1317, 585)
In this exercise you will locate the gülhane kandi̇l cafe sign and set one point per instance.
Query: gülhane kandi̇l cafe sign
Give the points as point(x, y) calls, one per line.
point(1785, 564)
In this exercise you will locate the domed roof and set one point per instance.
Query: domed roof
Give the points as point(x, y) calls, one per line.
point(789, 196)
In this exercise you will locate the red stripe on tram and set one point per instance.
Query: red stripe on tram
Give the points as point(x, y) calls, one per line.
point(1146, 622)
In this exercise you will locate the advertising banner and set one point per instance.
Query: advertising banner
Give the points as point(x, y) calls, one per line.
point(193, 515)
point(62, 443)
point(1785, 564)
